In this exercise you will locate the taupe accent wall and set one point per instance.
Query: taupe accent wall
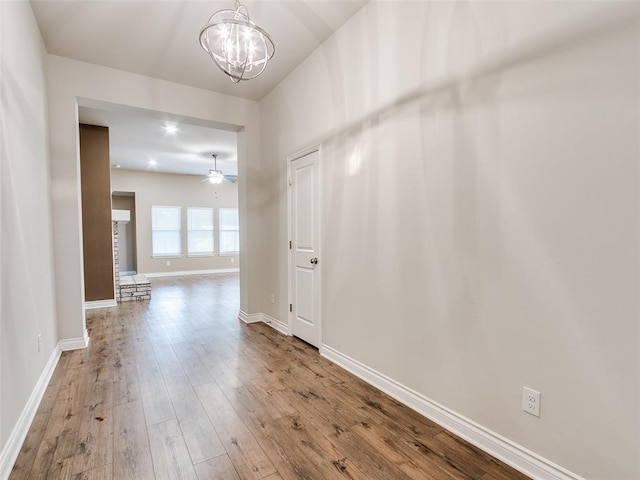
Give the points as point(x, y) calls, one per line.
point(97, 237)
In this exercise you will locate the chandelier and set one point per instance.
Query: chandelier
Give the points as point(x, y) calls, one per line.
point(239, 47)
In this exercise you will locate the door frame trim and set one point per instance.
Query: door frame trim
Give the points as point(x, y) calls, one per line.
point(290, 159)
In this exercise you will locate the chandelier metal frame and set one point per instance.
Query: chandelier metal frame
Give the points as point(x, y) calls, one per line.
point(238, 46)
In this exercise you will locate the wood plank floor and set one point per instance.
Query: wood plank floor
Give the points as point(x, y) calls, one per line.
point(178, 388)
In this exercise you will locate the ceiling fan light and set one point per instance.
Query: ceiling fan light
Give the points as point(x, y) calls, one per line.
point(239, 47)
point(216, 177)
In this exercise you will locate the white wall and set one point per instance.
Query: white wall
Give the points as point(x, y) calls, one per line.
point(27, 306)
point(480, 207)
point(70, 82)
point(184, 191)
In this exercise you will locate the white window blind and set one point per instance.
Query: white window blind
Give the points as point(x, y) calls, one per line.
point(199, 231)
point(166, 231)
point(229, 231)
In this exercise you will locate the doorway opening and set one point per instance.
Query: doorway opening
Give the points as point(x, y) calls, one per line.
point(125, 202)
point(179, 222)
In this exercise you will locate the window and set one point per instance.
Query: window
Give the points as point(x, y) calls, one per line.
point(229, 237)
point(199, 231)
point(166, 231)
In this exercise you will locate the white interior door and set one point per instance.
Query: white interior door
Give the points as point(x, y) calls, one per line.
point(305, 236)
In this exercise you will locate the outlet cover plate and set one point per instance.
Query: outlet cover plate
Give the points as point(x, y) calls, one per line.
point(531, 401)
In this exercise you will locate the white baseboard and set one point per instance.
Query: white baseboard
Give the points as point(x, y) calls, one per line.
point(276, 324)
point(191, 272)
point(509, 452)
point(74, 343)
point(11, 449)
point(100, 304)
point(264, 318)
point(249, 317)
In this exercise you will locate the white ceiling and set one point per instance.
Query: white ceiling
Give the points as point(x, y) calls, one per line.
point(136, 138)
point(159, 38)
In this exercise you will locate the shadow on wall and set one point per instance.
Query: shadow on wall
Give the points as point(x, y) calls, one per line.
point(458, 212)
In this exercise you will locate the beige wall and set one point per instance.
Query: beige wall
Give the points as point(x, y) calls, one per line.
point(479, 165)
point(97, 229)
point(165, 189)
point(27, 304)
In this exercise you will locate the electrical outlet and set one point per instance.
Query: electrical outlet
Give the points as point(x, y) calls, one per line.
point(168, 263)
point(273, 298)
point(531, 401)
point(39, 342)
point(233, 260)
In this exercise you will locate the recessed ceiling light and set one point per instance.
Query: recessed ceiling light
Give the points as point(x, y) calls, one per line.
point(170, 129)
point(153, 162)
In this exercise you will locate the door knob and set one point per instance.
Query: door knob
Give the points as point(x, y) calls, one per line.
point(314, 261)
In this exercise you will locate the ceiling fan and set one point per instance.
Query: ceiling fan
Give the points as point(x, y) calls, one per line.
point(216, 176)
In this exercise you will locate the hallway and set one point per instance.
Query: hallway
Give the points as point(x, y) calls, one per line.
point(178, 388)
